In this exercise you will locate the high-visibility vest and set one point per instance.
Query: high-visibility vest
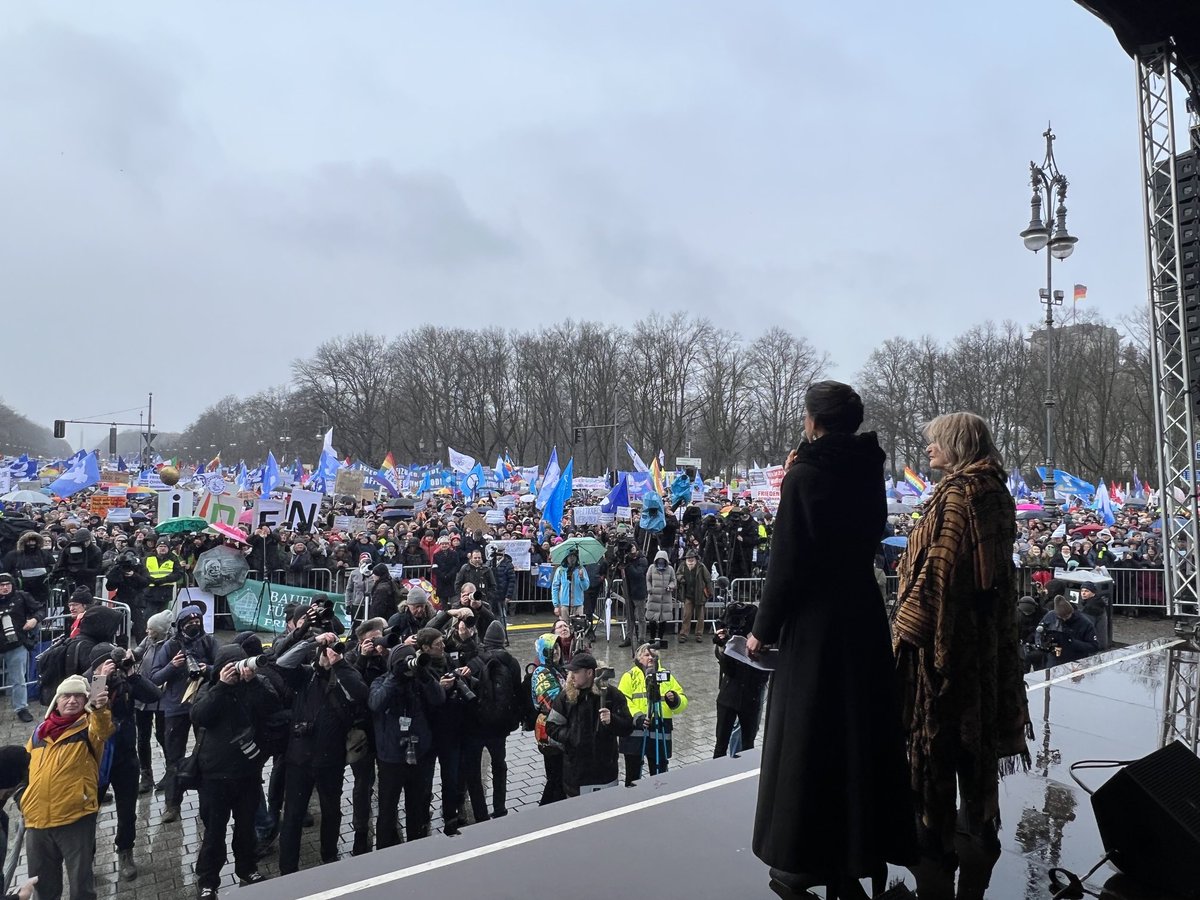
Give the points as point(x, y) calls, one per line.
point(159, 570)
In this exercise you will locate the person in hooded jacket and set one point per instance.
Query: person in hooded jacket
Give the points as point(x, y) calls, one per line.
point(20, 614)
point(401, 704)
point(150, 722)
point(505, 576)
point(546, 683)
point(228, 707)
point(385, 594)
point(501, 719)
point(180, 663)
point(129, 578)
point(416, 613)
point(660, 599)
point(327, 689)
point(446, 563)
point(125, 687)
point(80, 563)
point(569, 583)
point(31, 565)
point(654, 697)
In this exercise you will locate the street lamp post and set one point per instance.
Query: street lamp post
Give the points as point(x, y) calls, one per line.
point(1049, 230)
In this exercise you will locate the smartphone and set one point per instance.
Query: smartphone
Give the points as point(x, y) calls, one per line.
point(99, 686)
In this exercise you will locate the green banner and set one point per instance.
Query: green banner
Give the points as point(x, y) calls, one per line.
point(259, 605)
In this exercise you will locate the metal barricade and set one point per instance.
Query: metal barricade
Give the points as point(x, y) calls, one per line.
point(320, 580)
point(746, 590)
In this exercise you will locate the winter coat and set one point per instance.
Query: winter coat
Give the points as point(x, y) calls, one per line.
point(589, 747)
point(546, 683)
point(412, 696)
point(834, 793)
point(328, 708)
point(385, 600)
point(446, 565)
point(32, 570)
point(130, 583)
point(64, 773)
point(660, 589)
point(414, 555)
point(693, 584)
point(635, 577)
point(567, 589)
point(80, 562)
point(21, 607)
point(297, 568)
point(633, 687)
point(740, 686)
point(264, 555)
point(229, 714)
point(483, 579)
point(1080, 637)
point(505, 577)
point(174, 679)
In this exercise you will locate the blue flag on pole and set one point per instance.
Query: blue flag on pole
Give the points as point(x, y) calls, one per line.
point(270, 479)
point(638, 464)
point(473, 482)
point(556, 503)
point(549, 480)
point(618, 496)
point(1104, 505)
point(84, 472)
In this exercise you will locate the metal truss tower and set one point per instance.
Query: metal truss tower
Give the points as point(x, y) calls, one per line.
point(1181, 698)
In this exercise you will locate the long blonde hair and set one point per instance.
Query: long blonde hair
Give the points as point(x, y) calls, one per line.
point(964, 438)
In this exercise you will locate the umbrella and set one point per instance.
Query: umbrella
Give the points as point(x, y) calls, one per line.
point(245, 517)
point(1022, 507)
point(589, 549)
point(229, 531)
point(1026, 514)
point(181, 524)
point(27, 497)
point(140, 489)
point(1090, 528)
point(221, 570)
point(898, 540)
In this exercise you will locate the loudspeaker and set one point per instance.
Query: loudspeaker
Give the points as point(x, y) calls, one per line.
point(1149, 820)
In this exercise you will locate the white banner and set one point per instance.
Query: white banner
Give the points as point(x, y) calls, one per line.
point(582, 483)
point(267, 511)
point(302, 509)
point(518, 550)
point(174, 503)
point(587, 515)
point(118, 490)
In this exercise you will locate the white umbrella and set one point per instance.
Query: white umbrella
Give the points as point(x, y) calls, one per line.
point(26, 497)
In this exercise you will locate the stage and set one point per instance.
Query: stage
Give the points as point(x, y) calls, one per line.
point(687, 833)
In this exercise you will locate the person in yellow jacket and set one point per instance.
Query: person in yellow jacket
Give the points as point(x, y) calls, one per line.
point(62, 798)
point(654, 696)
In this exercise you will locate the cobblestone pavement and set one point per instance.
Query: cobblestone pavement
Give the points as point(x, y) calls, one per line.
point(165, 854)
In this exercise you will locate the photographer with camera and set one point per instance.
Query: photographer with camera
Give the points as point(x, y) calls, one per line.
point(631, 567)
point(469, 599)
point(328, 691)
point(180, 665)
point(653, 697)
point(369, 657)
point(1064, 635)
point(448, 664)
point(476, 573)
point(586, 719)
point(20, 614)
point(129, 578)
point(416, 613)
point(227, 714)
point(401, 706)
point(741, 687)
point(114, 666)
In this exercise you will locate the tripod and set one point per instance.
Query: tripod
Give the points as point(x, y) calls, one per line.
point(654, 727)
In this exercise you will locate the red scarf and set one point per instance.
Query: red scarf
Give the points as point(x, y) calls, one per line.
point(55, 725)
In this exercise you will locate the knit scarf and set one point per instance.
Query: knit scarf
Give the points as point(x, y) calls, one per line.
point(54, 725)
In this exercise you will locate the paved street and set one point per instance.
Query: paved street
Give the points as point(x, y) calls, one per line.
point(165, 853)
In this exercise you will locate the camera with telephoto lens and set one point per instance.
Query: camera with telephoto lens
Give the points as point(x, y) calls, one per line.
point(249, 664)
point(194, 666)
point(320, 615)
point(121, 659)
point(339, 647)
point(417, 661)
point(463, 689)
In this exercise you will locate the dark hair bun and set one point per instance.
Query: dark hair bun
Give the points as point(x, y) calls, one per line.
point(834, 406)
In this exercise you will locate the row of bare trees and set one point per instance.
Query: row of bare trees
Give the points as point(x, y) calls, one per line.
point(683, 384)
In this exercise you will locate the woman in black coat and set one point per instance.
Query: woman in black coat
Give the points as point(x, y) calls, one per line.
point(834, 803)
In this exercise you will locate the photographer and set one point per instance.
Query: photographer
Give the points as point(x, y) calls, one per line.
point(369, 658)
point(476, 573)
point(1064, 635)
point(586, 721)
point(740, 691)
point(401, 703)
point(179, 665)
point(328, 689)
point(20, 614)
point(448, 664)
point(416, 613)
point(129, 578)
point(468, 599)
point(227, 711)
point(501, 704)
point(115, 666)
point(506, 584)
point(80, 562)
point(653, 697)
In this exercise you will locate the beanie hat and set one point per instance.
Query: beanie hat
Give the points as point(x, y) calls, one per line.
point(249, 642)
point(100, 652)
point(74, 684)
point(5, 578)
point(160, 622)
point(82, 596)
point(494, 638)
point(380, 571)
point(416, 596)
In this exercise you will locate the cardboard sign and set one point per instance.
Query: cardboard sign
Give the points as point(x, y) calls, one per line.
point(587, 515)
point(370, 495)
point(518, 550)
point(176, 502)
point(110, 476)
point(100, 504)
point(302, 509)
point(218, 509)
point(348, 483)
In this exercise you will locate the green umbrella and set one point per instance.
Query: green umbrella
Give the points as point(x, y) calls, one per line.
point(181, 524)
point(589, 549)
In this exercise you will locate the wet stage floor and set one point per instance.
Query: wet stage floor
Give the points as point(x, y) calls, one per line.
point(686, 834)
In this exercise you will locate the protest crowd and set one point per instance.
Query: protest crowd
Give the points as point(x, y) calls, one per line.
point(365, 639)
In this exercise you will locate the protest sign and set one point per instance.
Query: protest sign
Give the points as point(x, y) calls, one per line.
point(100, 504)
point(302, 509)
point(587, 515)
point(109, 476)
point(518, 550)
point(193, 596)
point(175, 502)
point(588, 484)
point(494, 517)
point(774, 475)
point(545, 575)
point(267, 511)
point(349, 483)
point(214, 509)
point(5, 481)
point(349, 524)
point(397, 572)
point(118, 490)
point(624, 512)
point(260, 605)
point(506, 501)
point(216, 484)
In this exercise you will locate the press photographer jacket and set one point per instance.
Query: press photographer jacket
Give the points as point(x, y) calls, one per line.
point(411, 695)
point(589, 747)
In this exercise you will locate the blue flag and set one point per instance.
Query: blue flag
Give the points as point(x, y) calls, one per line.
point(426, 485)
point(473, 481)
point(297, 471)
point(1066, 483)
point(549, 480)
point(556, 503)
point(617, 496)
point(385, 478)
point(121, 467)
point(1104, 505)
point(270, 478)
point(84, 472)
point(326, 473)
point(243, 480)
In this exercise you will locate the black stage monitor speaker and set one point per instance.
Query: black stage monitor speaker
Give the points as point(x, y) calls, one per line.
point(1149, 820)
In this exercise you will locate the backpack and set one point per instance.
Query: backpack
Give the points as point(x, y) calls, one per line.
point(497, 709)
point(54, 664)
point(529, 712)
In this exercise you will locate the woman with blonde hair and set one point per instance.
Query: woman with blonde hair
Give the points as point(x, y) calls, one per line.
point(955, 638)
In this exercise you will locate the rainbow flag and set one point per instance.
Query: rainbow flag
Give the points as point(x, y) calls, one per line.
point(915, 481)
point(389, 462)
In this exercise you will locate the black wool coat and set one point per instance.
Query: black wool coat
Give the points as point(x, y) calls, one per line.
point(834, 789)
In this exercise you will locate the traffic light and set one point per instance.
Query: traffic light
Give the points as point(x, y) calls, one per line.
point(112, 441)
point(60, 428)
point(578, 435)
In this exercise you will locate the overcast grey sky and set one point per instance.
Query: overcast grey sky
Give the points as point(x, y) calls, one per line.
point(193, 195)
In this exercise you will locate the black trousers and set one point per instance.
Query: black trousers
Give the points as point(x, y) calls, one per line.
point(364, 784)
point(554, 790)
point(497, 748)
point(417, 784)
point(221, 798)
point(656, 762)
point(746, 716)
point(297, 789)
point(275, 785)
point(471, 774)
point(149, 724)
point(175, 740)
point(448, 749)
point(123, 777)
